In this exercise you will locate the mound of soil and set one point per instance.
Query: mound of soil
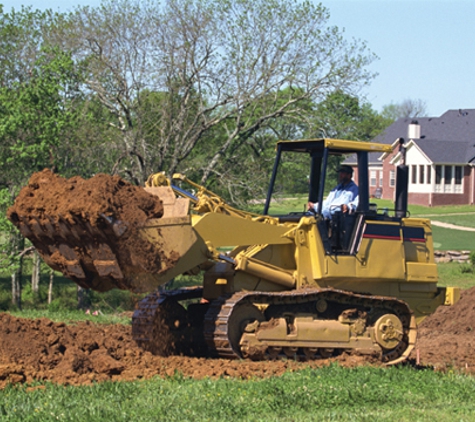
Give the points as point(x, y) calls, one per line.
point(85, 352)
point(447, 338)
point(89, 229)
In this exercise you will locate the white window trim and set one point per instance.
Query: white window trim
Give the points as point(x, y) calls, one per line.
point(452, 187)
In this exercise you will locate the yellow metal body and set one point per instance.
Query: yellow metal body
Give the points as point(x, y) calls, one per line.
point(297, 259)
point(270, 256)
point(264, 254)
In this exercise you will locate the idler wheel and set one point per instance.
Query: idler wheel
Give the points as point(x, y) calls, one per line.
point(245, 317)
point(388, 331)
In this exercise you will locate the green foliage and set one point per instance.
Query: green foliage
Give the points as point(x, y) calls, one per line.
point(466, 269)
point(8, 258)
point(331, 393)
point(472, 258)
point(469, 268)
point(343, 116)
point(36, 113)
point(64, 297)
point(64, 303)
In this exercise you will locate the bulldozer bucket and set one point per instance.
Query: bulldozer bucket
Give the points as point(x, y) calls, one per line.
point(101, 253)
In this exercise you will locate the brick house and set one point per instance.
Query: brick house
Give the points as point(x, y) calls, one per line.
point(441, 158)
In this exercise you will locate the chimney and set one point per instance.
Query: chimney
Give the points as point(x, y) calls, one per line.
point(414, 130)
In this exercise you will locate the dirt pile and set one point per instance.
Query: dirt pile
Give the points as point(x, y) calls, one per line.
point(86, 352)
point(89, 229)
point(447, 338)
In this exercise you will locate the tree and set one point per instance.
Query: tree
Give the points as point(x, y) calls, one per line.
point(407, 109)
point(221, 71)
point(39, 83)
point(344, 116)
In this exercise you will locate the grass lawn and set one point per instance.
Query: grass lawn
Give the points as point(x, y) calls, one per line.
point(455, 274)
point(466, 220)
point(327, 394)
point(447, 239)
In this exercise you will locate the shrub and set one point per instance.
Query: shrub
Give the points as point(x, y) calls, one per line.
point(466, 268)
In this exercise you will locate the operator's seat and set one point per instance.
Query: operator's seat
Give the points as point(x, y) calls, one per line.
point(342, 233)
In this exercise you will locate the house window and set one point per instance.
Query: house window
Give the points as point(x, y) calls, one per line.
point(392, 178)
point(448, 175)
point(428, 175)
point(449, 179)
point(381, 178)
point(413, 174)
point(458, 175)
point(458, 178)
point(421, 174)
point(438, 175)
point(373, 177)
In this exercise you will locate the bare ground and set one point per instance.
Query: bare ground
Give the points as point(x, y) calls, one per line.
point(86, 352)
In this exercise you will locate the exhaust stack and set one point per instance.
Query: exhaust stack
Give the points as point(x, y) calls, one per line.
point(402, 182)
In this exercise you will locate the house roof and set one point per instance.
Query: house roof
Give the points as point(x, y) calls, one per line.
point(448, 139)
point(443, 152)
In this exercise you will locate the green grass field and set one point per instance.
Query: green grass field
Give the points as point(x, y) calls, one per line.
point(466, 220)
point(331, 393)
point(447, 239)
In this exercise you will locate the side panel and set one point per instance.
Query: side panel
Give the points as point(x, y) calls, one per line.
point(381, 254)
point(419, 251)
point(220, 230)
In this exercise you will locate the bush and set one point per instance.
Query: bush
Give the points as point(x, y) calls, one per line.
point(63, 304)
point(466, 268)
point(115, 300)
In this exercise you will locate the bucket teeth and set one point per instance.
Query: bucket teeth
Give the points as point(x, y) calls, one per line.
point(59, 234)
point(118, 227)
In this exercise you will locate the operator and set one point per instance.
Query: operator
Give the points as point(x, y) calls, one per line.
point(344, 197)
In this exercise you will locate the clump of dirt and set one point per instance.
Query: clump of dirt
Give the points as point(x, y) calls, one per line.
point(86, 352)
point(89, 229)
point(50, 195)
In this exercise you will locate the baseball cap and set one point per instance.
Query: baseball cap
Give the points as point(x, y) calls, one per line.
point(345, 169)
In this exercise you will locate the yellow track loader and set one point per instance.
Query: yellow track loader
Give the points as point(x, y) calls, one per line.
point(293, 285)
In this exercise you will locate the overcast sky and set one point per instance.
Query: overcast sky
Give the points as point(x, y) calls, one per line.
point(426, 48)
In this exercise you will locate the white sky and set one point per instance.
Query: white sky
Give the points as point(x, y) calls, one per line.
point(426, 48)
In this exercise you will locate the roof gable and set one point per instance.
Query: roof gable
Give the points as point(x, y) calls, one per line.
point(448, 139)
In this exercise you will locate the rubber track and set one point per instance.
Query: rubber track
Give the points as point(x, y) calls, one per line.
point(217, 317)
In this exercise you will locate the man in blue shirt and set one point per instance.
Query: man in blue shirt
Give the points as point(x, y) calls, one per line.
point(344, 197)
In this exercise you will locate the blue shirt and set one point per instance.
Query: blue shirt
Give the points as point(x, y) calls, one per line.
point(340, 195)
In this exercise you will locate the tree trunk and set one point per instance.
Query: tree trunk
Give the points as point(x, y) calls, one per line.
point(19, 241)
point(16, 289)
point(50, 287)
point(83, 298)
point(35, 273)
